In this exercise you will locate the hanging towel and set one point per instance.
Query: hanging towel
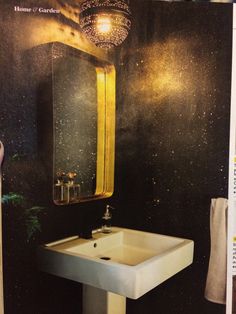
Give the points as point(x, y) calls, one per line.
point(215, 290)
point(1, 270)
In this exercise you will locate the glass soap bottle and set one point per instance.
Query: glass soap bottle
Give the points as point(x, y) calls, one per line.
point(106, 220)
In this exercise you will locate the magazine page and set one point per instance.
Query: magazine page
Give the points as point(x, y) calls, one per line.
point(1, 264)
point(118, 179)
point(231, 278)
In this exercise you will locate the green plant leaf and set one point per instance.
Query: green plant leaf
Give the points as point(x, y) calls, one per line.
point(34, 210)
point(14, 198)
point(32, 221)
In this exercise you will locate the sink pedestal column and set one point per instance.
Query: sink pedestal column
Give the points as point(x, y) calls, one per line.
point(98, 301)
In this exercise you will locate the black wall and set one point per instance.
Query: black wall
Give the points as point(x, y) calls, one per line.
point(173, 109)
point(172, 136)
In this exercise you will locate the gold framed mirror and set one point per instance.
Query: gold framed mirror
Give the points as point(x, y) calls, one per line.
point(83, 96)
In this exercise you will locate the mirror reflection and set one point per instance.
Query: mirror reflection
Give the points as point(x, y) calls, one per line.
point(79, 126)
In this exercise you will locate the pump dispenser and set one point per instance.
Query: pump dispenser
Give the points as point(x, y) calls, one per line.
point(106, 220)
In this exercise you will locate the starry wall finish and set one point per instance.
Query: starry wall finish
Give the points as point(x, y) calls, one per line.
point(172, 135)
point(173, 108)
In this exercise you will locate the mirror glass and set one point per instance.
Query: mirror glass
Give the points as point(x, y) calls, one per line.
point(83, 141)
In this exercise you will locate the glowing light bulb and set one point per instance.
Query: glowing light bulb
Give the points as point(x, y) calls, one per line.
point(104, 24)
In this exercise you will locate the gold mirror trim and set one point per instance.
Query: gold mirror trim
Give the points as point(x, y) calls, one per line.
point(105, 73)
point(105, 133)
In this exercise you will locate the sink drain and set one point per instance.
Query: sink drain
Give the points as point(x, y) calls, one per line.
point(105, 258)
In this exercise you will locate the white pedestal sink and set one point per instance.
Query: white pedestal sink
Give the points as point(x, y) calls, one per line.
point(124, 263)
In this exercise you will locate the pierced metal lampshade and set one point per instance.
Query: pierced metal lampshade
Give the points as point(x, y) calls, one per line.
point(105, 22)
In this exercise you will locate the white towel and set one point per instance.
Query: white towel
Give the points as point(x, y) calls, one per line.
point(215, 290)
point(1, 270)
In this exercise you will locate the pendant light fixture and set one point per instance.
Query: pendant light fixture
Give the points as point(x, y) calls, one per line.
point(106, 23)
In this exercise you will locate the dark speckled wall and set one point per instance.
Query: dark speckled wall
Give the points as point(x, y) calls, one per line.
point(29, 216)
point(173, 105)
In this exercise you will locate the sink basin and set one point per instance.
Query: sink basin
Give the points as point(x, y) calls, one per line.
point(126, 262)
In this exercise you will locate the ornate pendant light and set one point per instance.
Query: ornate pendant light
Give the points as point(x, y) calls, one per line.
point(105, 22)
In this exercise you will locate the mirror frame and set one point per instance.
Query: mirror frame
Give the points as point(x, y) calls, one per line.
point(105, 72)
